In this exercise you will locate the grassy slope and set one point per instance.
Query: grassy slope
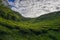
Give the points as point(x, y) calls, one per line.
point(15, 27)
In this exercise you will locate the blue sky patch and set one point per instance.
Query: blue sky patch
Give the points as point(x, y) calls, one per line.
point(11, 0)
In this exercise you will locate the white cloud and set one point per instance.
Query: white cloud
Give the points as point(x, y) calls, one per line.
point(35, 8)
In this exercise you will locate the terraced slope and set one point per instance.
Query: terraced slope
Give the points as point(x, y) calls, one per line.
point(15, 27)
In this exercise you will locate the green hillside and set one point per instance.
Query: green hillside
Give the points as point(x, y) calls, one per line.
point(15, 27)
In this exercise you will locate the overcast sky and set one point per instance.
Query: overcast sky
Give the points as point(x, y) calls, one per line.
point(34, 8)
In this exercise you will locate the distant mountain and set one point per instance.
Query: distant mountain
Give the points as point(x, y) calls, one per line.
point(15, 27)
